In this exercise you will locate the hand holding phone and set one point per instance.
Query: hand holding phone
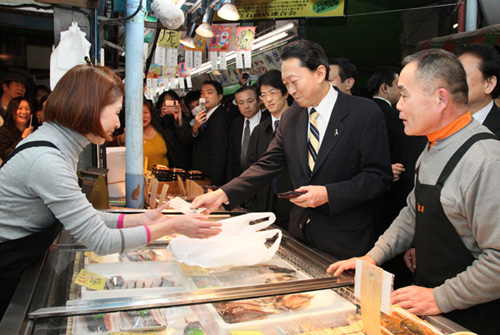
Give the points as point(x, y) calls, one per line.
point(290, 194)
point(202, 104)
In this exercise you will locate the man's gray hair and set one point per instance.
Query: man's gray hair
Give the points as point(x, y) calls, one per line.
point(437, 68)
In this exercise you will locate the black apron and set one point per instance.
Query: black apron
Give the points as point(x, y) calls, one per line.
point(440, 252)
point(19, 254)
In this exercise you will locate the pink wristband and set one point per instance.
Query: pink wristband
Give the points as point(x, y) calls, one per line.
point(148, 232)
point(119, 225)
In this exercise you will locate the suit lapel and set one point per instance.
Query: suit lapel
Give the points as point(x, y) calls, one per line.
point(333, 132)
point(301, 133)
point(492, 121)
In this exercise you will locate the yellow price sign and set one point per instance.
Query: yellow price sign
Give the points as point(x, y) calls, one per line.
point(91, 280)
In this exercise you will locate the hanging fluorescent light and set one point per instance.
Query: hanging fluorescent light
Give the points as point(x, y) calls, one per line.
point(229, 11)
point(270, 40)
point(188, 39)
point(205, 29)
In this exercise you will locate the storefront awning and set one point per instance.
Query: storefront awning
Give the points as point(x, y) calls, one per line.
point(488, 35)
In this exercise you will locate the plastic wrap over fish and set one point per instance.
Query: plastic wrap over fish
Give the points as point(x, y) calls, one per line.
point(241, 243)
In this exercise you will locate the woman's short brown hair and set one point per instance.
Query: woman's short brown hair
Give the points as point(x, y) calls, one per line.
point(80, 96)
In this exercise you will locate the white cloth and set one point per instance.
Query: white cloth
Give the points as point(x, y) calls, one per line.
point(71, 51)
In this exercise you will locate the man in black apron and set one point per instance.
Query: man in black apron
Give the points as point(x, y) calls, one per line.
point(452, 213)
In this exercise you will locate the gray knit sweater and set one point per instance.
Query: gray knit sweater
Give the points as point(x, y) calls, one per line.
point(471, 201)
point(40, 184)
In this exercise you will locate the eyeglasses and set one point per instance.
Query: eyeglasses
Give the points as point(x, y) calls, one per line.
point(271, 94)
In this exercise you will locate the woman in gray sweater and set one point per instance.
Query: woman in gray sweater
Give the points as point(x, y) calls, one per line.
point(39, 186)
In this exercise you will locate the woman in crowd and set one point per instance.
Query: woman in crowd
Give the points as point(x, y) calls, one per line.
point(168, 112)
point(17, 125)
point(39, 187)
point(159, 144)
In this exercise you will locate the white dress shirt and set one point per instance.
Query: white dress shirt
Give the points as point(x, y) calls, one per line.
point(481, 114)
point(324, 110)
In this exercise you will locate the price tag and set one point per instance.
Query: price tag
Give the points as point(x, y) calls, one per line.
point(198, 55)
point(189, 82)
point(245, 332)
point(91, 280)
point(160, 55)
point(188, 58)
point(239, 59)
point(248, 58)
point(181, 83)
point(223, 61)
point(213, 59)
point(93, 258)
point(172, 59)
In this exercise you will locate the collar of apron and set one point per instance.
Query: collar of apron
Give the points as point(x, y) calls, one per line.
point(450, 129)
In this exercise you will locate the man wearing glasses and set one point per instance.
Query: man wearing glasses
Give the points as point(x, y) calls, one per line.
point(273, 95)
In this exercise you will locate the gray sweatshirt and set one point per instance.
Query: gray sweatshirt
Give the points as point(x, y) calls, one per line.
point(471, 201)
point(40, 184)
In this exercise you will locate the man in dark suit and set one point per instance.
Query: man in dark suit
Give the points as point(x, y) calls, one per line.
point(211, 132)
point(405, 150)
point(482, 66)
point(274, 96)
point(336, 150)
point(242, 128)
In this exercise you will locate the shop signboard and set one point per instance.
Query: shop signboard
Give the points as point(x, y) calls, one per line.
point(289, 9)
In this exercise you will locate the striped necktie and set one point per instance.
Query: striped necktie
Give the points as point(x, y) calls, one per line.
point(313, 146)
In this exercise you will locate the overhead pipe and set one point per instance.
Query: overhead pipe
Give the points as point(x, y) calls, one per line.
point(134, 175)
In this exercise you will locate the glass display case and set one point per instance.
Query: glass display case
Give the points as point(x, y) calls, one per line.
point(146, 290)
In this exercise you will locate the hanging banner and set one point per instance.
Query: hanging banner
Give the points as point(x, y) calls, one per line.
point(243, 46)
point(244, 38)
point(220, 44)
point(281, 9)
point(169, 39)
point(184, 71)
point(220, 41)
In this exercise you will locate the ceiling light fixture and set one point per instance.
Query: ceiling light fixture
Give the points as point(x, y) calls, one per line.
point(188, 39)
point(229, 11)
point(205, 29)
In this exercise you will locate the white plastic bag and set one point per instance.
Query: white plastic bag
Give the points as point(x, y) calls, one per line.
point(239, 244)
point(70, 51)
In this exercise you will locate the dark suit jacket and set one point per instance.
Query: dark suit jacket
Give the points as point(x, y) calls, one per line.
point(235, 168)
point(211, 146)
point(265, 200)
point(353, 163)
point(492, 121)
point(404, 149)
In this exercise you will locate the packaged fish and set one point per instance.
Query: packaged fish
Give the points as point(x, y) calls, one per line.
point(146, 320)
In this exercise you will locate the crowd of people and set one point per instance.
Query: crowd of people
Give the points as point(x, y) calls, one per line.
point(403, 178)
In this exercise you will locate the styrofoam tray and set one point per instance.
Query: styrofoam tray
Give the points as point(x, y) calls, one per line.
point(129, 271)
point(325, 305)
